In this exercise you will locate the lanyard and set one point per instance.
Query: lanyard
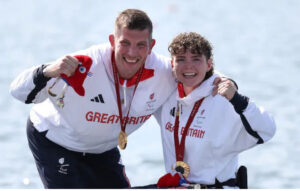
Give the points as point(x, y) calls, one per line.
point(123, 122)
point(179, 147)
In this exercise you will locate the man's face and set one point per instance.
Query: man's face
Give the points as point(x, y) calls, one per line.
point(131, 50)
point(190, 69)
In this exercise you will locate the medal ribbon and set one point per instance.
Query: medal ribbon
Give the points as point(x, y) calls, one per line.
point(117, 86)
point(179, 147)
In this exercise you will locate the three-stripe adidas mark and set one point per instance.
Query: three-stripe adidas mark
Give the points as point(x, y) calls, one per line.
point(98, 99)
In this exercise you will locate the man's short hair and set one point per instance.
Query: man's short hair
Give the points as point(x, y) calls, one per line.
point(134, 19)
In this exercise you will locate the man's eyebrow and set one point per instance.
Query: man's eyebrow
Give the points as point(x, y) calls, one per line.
point(142, 42)
point(124, 40)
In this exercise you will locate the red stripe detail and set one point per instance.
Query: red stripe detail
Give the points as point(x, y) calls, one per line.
point(146, 74)
point(180, 90)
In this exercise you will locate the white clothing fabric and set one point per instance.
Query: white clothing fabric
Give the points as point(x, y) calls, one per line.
point(216, 135)
point(88, 126)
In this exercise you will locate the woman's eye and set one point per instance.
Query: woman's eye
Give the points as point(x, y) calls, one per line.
point(179, 60)
point(82, 69)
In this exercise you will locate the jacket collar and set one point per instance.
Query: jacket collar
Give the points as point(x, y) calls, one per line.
point(205, 89)
point(146, 74)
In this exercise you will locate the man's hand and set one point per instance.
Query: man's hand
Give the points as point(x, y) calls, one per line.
point(66, 65)
point(224, 87)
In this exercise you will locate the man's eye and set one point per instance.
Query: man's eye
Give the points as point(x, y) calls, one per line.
point(141, 45)
point(124, 43)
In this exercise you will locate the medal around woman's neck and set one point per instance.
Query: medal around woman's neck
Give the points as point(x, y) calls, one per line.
point(181, 166)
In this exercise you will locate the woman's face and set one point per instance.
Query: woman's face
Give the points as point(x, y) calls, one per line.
point(190, 69)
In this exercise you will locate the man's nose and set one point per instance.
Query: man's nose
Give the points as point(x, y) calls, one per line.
point(132, 51)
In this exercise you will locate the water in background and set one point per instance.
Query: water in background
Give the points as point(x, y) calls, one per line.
point(256, 42)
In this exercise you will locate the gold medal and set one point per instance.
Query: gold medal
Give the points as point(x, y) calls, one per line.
point(122, 140)
point(183, 168)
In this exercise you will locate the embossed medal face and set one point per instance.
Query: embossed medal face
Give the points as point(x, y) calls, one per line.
point(122, 140)
point(183, 168)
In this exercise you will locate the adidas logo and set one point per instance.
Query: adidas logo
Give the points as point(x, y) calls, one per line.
point(98, 99)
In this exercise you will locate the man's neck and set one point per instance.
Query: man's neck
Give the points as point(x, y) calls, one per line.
point(125, 76)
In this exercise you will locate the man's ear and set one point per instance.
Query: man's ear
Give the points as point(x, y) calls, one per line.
point(172, 65)
point(152, 43)
point(112, 40)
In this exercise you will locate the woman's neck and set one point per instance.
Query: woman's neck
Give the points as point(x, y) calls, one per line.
point(187, 90)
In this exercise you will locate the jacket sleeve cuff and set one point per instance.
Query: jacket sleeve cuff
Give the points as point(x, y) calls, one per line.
point(39, 79)
point(239, 102)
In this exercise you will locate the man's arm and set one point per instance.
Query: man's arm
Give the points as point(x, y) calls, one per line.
point(29, 86)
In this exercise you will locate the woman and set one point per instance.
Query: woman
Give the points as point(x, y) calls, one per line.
point(202, 134)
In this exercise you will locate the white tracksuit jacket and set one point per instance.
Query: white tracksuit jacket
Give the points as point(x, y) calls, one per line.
point(90, 123)
point(217, 134)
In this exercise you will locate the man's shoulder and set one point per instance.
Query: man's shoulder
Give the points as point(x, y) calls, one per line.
point(96, 49)
point(158, 61)
point(101, 48)
point(97, 52)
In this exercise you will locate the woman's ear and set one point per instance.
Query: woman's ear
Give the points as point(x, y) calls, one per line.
point(209, 64)
point(173, 69)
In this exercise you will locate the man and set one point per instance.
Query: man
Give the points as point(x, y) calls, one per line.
point(86, 103)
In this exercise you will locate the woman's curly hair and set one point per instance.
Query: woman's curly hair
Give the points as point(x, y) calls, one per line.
point(193, 42)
